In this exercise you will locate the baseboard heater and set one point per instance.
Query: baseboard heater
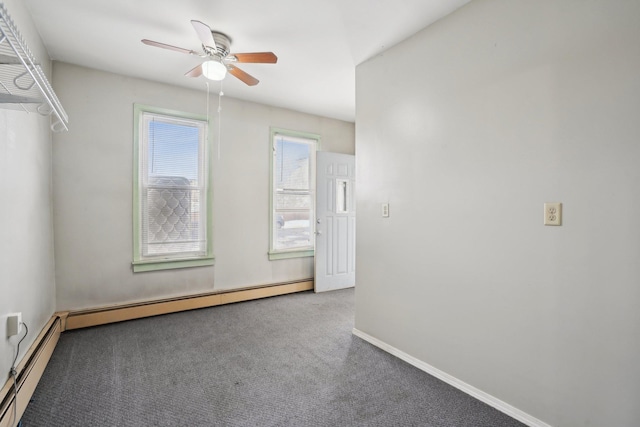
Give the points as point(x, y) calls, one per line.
point(120, 313)
point(30, 371)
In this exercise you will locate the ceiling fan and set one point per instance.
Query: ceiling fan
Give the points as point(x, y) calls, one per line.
point(216, 49)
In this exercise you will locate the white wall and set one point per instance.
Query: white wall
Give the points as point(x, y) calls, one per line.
point(466, 129)
point(93, 190)
point(26, 236)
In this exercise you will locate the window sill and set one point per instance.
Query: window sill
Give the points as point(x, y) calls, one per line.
point(169, 264)
point(274, 255)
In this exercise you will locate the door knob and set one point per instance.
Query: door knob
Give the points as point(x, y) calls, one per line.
point(318, 232)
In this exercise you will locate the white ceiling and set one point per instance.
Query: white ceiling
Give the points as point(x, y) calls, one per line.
point(318, 43)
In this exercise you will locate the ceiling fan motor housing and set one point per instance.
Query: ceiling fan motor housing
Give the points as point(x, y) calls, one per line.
point(223, 44)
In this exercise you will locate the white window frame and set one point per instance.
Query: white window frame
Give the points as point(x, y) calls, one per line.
point(314, 141)
point(142, 262)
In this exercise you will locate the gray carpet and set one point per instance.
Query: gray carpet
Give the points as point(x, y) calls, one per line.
point(284, 361)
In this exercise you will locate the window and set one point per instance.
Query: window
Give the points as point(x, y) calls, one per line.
point(172, 211)
point(292, 193)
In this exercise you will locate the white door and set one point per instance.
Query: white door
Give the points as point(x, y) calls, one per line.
point(335, 258)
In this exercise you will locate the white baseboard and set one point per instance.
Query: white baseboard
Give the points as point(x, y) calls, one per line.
point(494, 402)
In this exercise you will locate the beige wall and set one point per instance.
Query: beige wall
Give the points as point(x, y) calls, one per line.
point(93, 190)
point(466, 129)
point(26, 236)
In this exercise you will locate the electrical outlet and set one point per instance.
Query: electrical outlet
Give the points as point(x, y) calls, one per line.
point(385, 210)
point(14, 322)
point(553, 213)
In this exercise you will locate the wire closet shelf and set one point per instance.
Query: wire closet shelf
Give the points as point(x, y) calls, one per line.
point(23, 84)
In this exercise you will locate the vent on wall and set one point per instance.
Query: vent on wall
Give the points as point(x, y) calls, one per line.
point(23, 84)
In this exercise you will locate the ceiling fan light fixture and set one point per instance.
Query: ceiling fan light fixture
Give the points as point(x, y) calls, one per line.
point(214, 70)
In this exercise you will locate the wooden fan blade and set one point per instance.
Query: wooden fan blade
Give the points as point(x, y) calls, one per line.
point(194, 72)
point(168, 46)
point(257, 57)
point(204, 33)
point(246, 78)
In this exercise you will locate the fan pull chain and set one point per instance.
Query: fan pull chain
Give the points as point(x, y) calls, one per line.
point(207, 83)
point(220, 95)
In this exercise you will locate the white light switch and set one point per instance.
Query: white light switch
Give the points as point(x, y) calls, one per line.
point(553, 213)
point(385, 210)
